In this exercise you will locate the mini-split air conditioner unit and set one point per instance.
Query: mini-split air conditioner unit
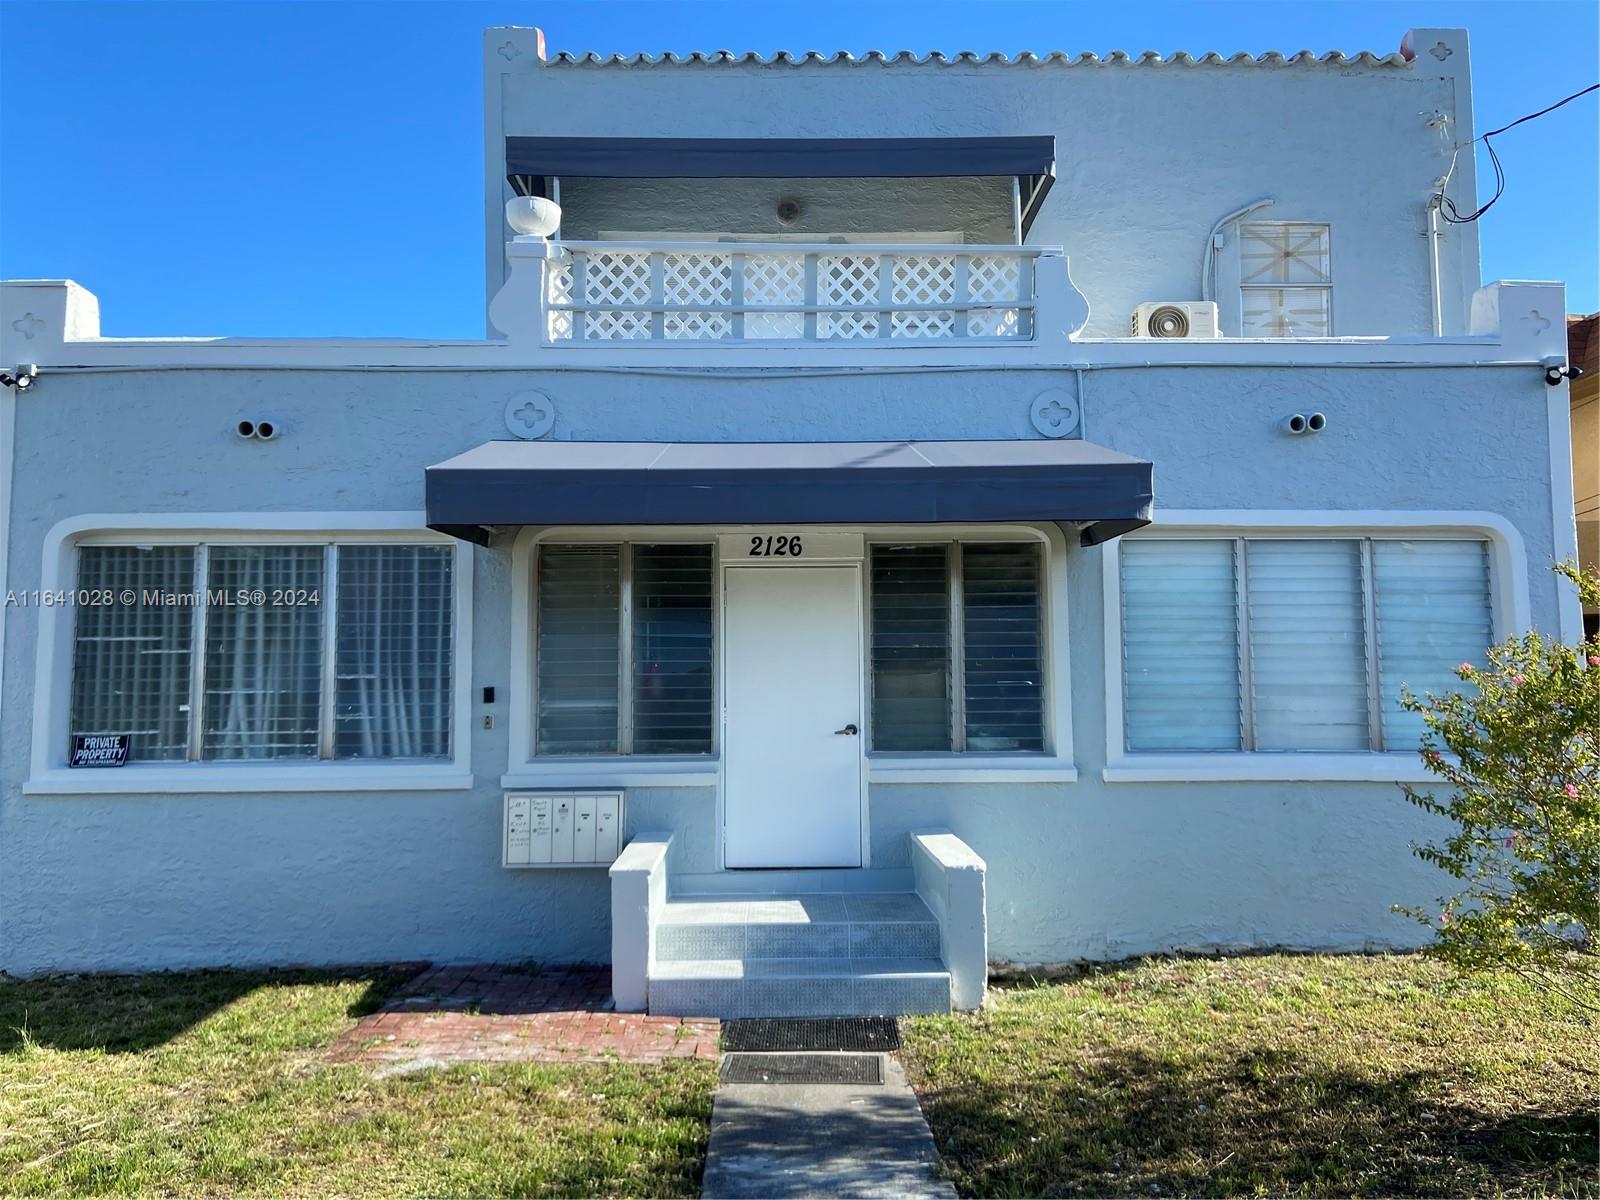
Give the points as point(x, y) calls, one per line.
point(1176, 319)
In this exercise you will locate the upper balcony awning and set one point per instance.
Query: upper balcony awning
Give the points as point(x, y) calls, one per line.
point(1030, 160)
point(1076, 484)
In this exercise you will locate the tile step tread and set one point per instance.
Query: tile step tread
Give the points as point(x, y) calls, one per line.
point(862, 908)
point(714, 969)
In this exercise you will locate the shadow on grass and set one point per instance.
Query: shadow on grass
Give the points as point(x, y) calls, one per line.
point(664, 1155)
point(1261, 1122)
point(124, 1014)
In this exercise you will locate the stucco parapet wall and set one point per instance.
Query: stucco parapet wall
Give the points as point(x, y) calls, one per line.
point(55, 324)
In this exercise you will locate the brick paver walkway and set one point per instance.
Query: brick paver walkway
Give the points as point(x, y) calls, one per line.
point(516, 1014)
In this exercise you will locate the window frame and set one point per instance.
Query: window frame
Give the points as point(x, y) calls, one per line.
point(625, 682)
point(1325, 287)
point(1054, 765)
point(955, 611)
point(1509, 606)
point(49, 774)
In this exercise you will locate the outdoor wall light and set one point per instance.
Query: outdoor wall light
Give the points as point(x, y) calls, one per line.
point(21, 379)
point(533, 216)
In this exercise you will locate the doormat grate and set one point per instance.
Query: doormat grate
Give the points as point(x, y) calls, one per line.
point(802, 1068)
point(879, 1034)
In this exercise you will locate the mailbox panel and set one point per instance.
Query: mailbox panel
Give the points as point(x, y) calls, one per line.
point(562, 829)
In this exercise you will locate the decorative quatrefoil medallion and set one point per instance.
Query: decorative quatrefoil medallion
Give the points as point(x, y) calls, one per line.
point(530, 415)
point(1054, 413)
point(28, 325)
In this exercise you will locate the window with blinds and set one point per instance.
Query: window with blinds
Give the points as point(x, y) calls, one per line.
point(624, 645)
point(1294, 644)
point(1286, 279)
point(672, 649)
point(580, 608)
point(911, 648)
point(1180, 645)
point(957, 657)
point(267, 653)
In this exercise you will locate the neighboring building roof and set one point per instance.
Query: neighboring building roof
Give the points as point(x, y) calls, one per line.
point(1583, 342)
point(1150, 58)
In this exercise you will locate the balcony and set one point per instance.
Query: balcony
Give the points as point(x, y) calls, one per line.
point(708, 291)
point(582, 295)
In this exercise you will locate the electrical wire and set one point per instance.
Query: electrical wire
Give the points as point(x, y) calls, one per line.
point(1447, 208)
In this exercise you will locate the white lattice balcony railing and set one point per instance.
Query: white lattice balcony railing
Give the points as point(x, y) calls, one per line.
point(608, 292)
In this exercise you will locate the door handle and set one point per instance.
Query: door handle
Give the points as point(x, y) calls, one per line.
point(849, 730)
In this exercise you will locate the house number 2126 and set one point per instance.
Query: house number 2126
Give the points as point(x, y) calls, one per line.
point(782, 546)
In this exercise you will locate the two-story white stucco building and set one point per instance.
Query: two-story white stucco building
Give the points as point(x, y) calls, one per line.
point(906, 513)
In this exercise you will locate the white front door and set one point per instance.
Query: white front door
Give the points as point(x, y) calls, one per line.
point(791, 745)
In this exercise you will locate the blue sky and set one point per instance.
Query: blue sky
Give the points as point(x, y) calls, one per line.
point(314, 168)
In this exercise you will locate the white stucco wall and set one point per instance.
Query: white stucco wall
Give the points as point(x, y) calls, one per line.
point(1075, 869)
point(1149, 154)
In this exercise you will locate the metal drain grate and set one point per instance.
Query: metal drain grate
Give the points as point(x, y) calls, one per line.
point(828, 1033)
point(802, 1068)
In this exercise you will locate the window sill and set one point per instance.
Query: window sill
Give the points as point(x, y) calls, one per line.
point(1398, 767)
point(249, 777)
point(970, 768)
point(614, 771)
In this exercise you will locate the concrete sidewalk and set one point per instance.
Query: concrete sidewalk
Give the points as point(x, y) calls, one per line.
point(780, 1140)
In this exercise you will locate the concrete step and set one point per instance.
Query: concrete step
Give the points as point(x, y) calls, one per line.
point(809, 926)
point(799, 987)
point(748, 884)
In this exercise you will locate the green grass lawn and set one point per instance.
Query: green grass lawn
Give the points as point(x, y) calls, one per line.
point(1273, 1075)
point(215, 1083)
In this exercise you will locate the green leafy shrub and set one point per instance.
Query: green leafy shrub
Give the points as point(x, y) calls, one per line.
point(1520, 753)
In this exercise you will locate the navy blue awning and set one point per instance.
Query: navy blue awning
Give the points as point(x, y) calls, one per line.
point(1085, 487)
point(1032, 160)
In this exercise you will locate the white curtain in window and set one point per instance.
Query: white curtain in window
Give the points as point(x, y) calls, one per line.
point(1308, 666)
point(1180, 645)
point(1433, 614)
point(394, 652)
point(263, 660)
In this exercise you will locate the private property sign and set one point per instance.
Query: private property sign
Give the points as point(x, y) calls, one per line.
point(99, 750)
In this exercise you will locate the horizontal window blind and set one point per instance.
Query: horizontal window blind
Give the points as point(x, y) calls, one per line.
point(1180, 645)
point(1003, 661)
point(957, 647)
point(579, 641)
point(395, 654)
point(1331, 630)
point(1308, 667)
point(263, 669)
point(910, 588)
point(672, 649)
point(131, 662)
point(1433, 614)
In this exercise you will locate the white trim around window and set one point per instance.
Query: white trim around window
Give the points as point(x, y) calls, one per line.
point(524, 769)
point(53, 663)
point(1508, 585)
